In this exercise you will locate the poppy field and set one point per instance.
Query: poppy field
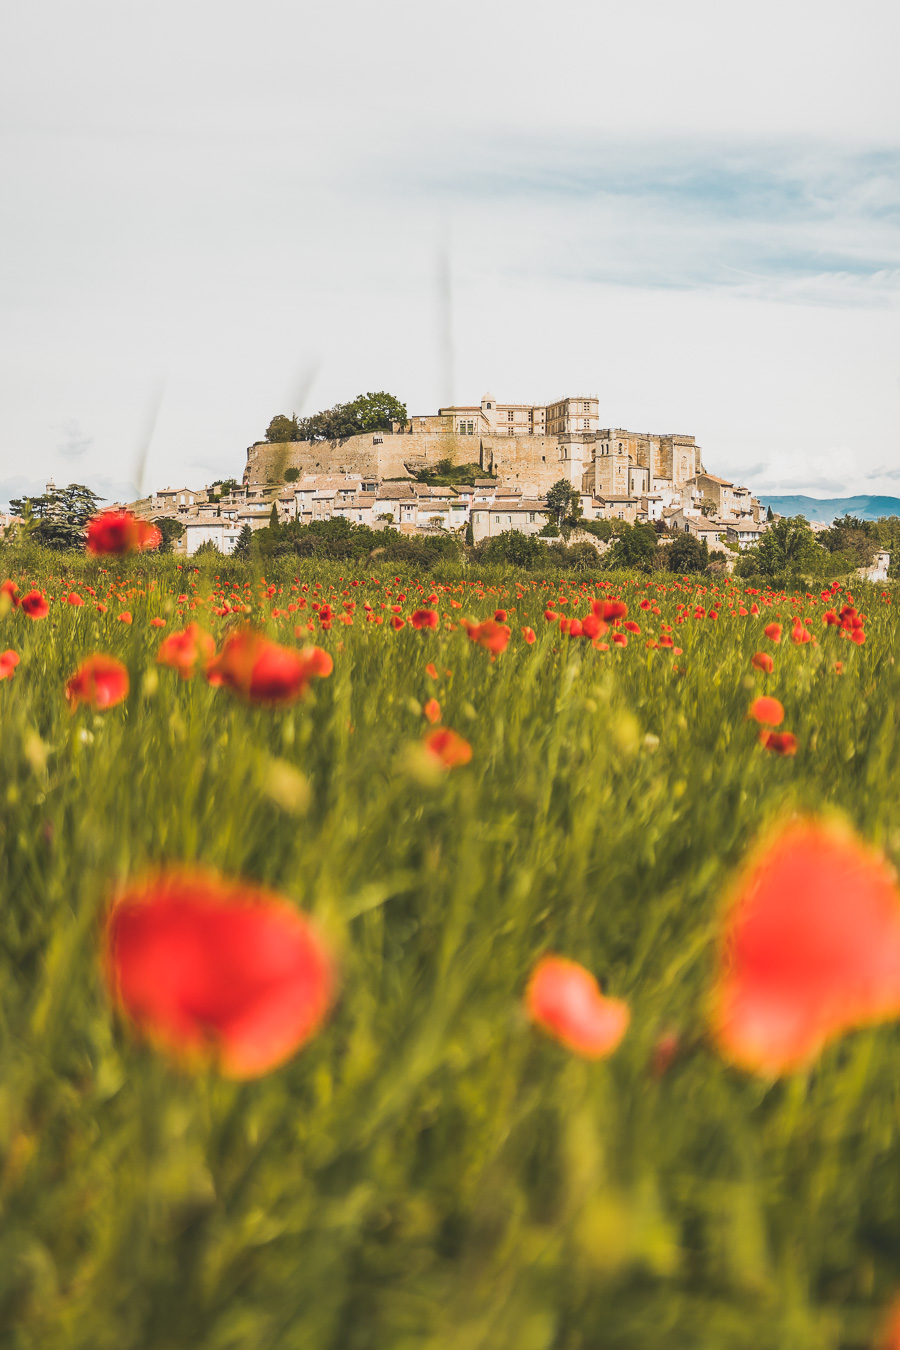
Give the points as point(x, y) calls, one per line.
point(472, 960)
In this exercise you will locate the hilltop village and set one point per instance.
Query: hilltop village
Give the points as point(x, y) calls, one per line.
point(379, 479)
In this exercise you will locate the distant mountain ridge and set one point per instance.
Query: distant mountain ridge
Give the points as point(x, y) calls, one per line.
point(825, 509)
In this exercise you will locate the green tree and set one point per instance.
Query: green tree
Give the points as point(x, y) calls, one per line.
point(291, 475)
point(282, 428)
point(563, 500)
point(273, 515)
point(244, 542)
point(61, 515)
point(635, 548)
point(769, 514)
point(857, 538)
point(687, 553)
point(170, 529)
point(367, 412)
point(708, 506)
point(788, 546)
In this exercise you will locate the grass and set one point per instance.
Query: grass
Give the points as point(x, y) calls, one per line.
point(430, 1171)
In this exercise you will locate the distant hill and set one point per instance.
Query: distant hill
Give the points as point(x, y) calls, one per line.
point(826, 509)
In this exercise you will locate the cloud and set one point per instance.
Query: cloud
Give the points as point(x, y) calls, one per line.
point(75, 443)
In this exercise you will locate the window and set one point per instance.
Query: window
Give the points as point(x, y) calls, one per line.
point(531, 517)
point(496, 520)
point(487, 405)
point(543, 459)
point(586, 407)
point(510, 416)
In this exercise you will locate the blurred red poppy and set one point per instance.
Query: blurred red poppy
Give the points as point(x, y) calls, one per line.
point(124, 617)
point(491, 635)
point(8, 662)
point(565, 1000)
point(500, 616)
point(609, 610)
point(74, 599)
point(397, 623)
point(431, 670)
point(432, 711)
point(424, 618)
point(767, 711)
point(101, 682)
point(448, 748)
point(620, 640)
point(120, 532)
point(763, 661)
point(35, 605)
point(261, 671)
point(186, 650)
point(529, 635)
point(779, 742)
point(157, 622)
point(9, 588)
point(213, 969)
point(773, 631)
point(810, 948)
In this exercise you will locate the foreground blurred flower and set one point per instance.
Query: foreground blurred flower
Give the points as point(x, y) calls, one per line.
point(34, 605)
point(448, 748)
point(609, 610)
point(763, 661)
point(8, 591)
point(779, 742)
point(101, 682)
point(218, 969)
point(768, 711)
point(424, 618)
point(565, 1000)
point(120, 532)
point(8, 662)
point(491, 635)
point(432, 711)
point(810, 948)
point(261, 671)
point(773, 632)
point(186, 649)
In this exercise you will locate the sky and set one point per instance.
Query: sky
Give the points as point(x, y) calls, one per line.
point(218, 212)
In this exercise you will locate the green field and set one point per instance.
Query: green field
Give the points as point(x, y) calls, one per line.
point(431, 1172)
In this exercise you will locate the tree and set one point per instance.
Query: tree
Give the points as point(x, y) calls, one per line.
point(788, 545)
point(225, 486)
point(61, 515)
point(687, 553)
point(563, 499)
point(367, 412)
point(206, 548)
point(273, 514)
point(859, 539)
point(170, 529)
point(635, 548)
point(291, 475)
point(244, 542)
point(707, 506)
point(769, 514)
point(282, 428)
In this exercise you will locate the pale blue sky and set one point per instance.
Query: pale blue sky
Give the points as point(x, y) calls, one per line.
point(225, 211)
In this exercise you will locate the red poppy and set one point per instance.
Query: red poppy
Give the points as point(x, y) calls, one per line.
point(799, 634)
point(424, 618)
point(550, 616)
point(124, 617)
point(773, 631)
point(74, 599)
point(620, 640)
point(609, 610)
point(631, 627)
point(529, 635)
point(858, 636)
point(213, 969)
point(8, 662)
point(120, 532)
point(431, 670)
point(500, 616)
point(397, 623)
point(186, 649)
point(767, 711)
point(101, 682)
point(763, 661)
point(432, 711)
point(261, 671)
point(157, 622)
point(448, 748)
point(9, 588)
point(35, 605)
point(811, 948)
point(779, 742)
point(491, 635)
point(565, 1000)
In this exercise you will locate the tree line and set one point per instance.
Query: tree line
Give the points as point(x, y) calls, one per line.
point(366, 412)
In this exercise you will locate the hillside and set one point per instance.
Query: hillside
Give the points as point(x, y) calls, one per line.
point(826, 509)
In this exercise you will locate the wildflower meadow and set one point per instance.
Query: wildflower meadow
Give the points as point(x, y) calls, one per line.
point(465, 961)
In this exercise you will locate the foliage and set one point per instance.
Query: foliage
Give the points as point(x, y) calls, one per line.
point(513, 547)
point(341, 539)
point(225, 486)
point(688, 554)
point(858, 540)
point(564, 501)
point(446, 474)
point(292, 474)
point(208, 547)
point(430, 1171)
point(601, 529)
point(787, 547)
point(244, 542)
point(57, 520)
point(635, 548)
point(367, 412)
point(170, 529)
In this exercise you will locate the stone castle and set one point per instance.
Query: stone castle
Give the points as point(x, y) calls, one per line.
point(525, 446)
